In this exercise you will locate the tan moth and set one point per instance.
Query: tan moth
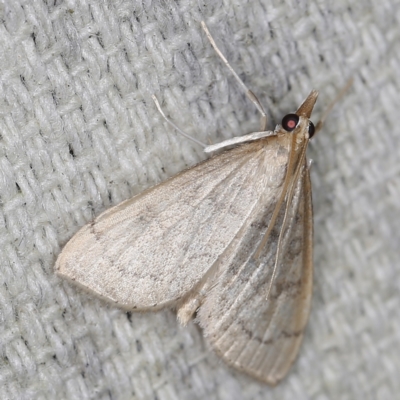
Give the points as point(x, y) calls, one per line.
point(229, 239)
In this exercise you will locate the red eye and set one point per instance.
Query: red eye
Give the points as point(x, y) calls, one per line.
point(289, 122)
point(311, 130)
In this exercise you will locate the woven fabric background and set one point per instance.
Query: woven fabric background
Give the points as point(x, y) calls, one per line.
point(79, 133)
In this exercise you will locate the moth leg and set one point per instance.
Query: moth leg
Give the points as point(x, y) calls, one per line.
point(191, 303)
point(251, 96)
point(179, 130)
point(332, 104)
point(187, 309)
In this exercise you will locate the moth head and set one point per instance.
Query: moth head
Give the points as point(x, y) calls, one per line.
point(300, 120)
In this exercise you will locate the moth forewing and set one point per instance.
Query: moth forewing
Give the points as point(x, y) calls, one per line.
point(154, 249)
point(259, 336)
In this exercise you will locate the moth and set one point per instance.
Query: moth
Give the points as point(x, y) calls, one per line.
point(229, 240)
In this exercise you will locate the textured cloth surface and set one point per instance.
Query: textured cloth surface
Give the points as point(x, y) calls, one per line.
point(79, 133)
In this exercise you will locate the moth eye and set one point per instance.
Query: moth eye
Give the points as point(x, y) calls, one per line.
point(311, 130)
point(289, 122)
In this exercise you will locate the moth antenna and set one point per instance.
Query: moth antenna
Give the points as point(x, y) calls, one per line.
point(179, 130)
point(289, 199)
point(281, 199)
point(332, 104)
point(250, 95)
